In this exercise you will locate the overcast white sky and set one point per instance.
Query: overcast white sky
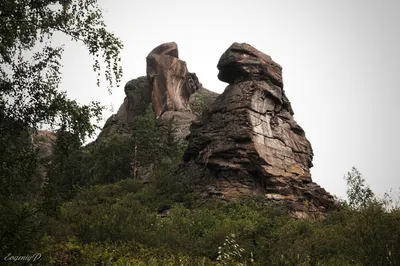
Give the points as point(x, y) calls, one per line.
point(340, 59)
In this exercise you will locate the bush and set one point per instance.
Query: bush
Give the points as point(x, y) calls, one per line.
point(161, 223)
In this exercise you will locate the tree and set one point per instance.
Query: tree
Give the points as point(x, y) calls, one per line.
point(146, 141)
point(30, 95)
point(29, 87)
point(358, 193)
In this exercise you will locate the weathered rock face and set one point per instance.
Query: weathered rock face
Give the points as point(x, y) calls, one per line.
point(171, 89)
point(138, 97)
point(170, 80)
point(198, 102)
point(249, 143)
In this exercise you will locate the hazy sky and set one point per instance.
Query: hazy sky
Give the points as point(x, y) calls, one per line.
point(340, 59)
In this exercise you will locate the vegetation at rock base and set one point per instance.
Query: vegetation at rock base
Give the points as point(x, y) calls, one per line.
point(201, 104)
point(131, 223)
point(115, 219)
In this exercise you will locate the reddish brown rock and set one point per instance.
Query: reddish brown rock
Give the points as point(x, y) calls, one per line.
point(170, 80)
point(174, 88)
point(174, 92)
point(242, 61)
point(249, 143)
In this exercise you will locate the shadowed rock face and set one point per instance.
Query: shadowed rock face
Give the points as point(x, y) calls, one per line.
point(242, 61)
point(138, 97)
point(170, 80)
point(249, 143)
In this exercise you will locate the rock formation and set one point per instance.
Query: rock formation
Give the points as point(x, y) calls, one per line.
point(246, 143)
point(171, 82)
point(249, 142)
point(138, 97)
point(173, 87)
point(169, 86)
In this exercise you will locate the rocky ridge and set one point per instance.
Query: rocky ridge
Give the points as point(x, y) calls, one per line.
point(247, 143)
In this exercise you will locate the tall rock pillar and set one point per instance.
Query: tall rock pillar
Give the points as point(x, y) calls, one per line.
point(250, 143)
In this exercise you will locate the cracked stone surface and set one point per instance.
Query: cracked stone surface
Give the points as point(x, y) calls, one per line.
point(169, 86)
point(246, 143)
point(173, 87)
point(170, 80)
point(249, 143)
point(138, 97)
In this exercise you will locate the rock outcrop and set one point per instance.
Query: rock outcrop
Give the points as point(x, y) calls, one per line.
point(198, 103)
point(249, 142)
point(245, 143)
point(172, 87)
point(173, 91)
point(138, 97)
point(170, 80)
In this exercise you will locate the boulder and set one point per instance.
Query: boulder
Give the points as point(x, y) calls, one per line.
point(242, 61)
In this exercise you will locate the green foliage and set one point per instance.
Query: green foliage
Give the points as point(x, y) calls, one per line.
point(102, 216)
point(201, 104)
point(18, 160)
point(230, 253)
point(132, 222)
point(115, 157)
point(30, 98)
point(26, 23)
point(358, 193)
point(146, 142)
point(20, 226)
point(72, 252)
point(106, 161)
